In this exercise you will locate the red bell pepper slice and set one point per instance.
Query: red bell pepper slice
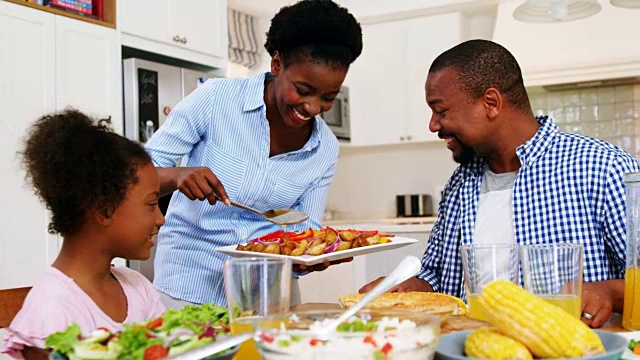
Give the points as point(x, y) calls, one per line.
point(369, 340)
point(301, 235)
point(155, 323)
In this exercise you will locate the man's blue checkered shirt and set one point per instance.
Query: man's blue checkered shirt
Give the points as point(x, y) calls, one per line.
point(569, 189)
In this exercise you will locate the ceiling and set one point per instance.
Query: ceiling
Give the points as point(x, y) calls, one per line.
point(371, 11)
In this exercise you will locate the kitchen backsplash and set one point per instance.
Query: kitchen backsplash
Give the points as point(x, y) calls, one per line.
point(368, 179)
point(609, 113)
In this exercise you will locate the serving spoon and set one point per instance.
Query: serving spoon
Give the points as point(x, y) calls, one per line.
point(280, 217)
point(205, 351)
point(408, 267)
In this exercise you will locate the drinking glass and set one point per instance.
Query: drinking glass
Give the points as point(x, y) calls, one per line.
point(553, 272)
point(256, 288)
point(631, 310)
point(484, 263)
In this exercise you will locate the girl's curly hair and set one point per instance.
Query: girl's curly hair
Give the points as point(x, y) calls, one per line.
point(319, 29)
point(77, 166)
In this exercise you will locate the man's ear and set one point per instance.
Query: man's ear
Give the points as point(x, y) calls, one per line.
point(104, 216)
point(493, 102)
point(276, 64)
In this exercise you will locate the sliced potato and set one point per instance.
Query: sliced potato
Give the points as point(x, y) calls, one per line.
point(272, 249)
point(348, 235)
point(302, 247)
point(317, 248)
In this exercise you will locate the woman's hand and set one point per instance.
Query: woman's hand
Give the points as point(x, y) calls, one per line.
point(200, 183)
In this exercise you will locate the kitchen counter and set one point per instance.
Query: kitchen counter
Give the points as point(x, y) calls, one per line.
point(390, 225)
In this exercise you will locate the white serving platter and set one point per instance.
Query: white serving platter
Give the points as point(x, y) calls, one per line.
point(396, 242)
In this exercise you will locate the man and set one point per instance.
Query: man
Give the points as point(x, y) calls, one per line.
point(560, 187)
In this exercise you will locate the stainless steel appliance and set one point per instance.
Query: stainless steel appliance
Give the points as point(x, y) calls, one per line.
point(338, 117)
point(151, 91)
point(415, 205)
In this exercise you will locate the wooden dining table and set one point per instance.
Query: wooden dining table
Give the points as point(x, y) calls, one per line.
point(613, 325)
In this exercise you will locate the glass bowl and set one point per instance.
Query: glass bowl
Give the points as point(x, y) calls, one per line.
point(373, 334)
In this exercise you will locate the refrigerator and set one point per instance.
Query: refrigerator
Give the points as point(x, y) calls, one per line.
point(151, 91)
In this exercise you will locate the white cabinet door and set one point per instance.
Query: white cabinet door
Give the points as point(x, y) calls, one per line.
point(387, 81)
point(202, 25)
point(190, 30)
point(420, 55)
point(27, 85)
point(377, 86)
point(382, 263)
point(149, 19)
point(88, 70)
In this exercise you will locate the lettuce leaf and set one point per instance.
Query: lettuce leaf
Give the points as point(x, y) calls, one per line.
point(192, 317)
point(134, 341)
point(63, 342)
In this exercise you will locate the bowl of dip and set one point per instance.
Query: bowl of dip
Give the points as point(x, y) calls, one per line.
point(370, 334)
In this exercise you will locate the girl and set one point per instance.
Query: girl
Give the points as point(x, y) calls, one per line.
point(102, 191)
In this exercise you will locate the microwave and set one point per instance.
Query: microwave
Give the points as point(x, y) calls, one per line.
point(338, 117)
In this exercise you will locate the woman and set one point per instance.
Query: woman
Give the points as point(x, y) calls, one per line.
point(262, 138)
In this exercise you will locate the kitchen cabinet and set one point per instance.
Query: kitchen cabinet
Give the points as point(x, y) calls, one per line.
point(190, 30)
point(67, 63)
point(27, 90)
point(386, 82)
point(382, 263)
point(89, 70)
point(149, 19)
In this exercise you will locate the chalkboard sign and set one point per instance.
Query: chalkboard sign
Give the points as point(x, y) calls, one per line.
point(147, 103)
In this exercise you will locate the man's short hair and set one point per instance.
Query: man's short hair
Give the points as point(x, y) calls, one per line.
point(483, 64)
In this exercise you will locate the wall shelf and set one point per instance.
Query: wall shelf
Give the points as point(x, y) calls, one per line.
point(109, 12)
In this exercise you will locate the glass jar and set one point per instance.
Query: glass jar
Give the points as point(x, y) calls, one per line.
point(631, 311)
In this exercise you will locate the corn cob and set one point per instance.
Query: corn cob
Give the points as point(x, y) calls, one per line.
point(490, 343)
point(547, 330)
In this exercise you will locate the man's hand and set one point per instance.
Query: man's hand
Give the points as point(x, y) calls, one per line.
point(600, 299)
point(411, 284)
point(319, 267)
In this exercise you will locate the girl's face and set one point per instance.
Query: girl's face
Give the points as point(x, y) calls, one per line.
point(304, 88)
point(138, 218)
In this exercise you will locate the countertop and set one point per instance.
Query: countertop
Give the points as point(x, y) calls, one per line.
point(391, 225)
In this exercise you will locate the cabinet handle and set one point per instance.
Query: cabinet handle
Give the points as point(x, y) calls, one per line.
point(409, 138)
point(401, 138)
point(176, 38)
point(184, 40)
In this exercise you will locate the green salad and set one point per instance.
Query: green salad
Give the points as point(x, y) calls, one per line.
point(175, 332)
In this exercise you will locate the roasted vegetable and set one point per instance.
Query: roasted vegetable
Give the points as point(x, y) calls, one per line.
point(314, 242)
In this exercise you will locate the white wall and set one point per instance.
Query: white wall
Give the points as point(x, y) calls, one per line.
point(368, 179)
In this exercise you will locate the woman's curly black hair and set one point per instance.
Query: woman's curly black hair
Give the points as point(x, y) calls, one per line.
point(319, 29)
point(77, 166)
